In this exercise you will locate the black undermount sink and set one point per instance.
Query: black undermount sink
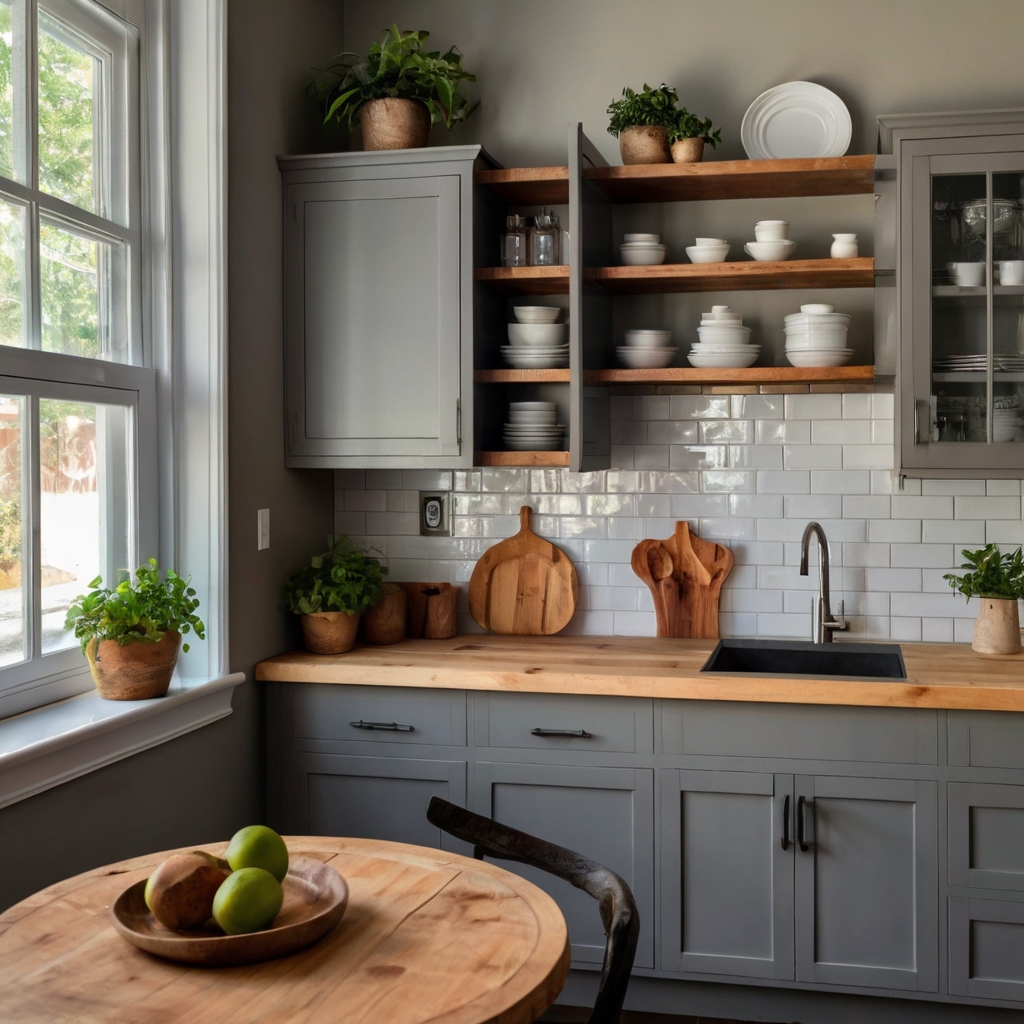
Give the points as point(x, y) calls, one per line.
point(803, 658)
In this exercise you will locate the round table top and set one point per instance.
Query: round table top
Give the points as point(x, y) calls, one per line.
point(427, 936)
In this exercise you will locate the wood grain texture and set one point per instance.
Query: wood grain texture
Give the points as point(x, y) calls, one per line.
point(559, 376)
point(741, 375)
point(528, 458)
point(524, 585)
point(427, 936)
point(685, 576)
point(938, 675)
point(745, 275)
point(527, 186)
point(526, 280)
point(433, 610)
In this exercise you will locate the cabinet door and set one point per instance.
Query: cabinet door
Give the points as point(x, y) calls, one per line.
point(371, 797)
point(986, 835)
point(986, 949)
point(727, 873)
point(373, 317)
point(867, 884)
point(606, 814)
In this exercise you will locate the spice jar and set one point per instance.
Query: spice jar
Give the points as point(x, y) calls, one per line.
point(514, 251)
point(544, 240)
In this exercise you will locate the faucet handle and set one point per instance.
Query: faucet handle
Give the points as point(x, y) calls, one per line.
point(838, 623)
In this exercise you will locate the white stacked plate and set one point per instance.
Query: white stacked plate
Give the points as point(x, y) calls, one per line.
point(533, 426)
point(796, 119)
point(1005, 424)
point(816, 336)
point(642, 250)
point(724, 341)
point(537, 345)
point(647, 349)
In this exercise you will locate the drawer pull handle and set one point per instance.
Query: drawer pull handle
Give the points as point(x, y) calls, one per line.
point(578, 733)
point(801, 825)
point(786, 841)
point(382, 726)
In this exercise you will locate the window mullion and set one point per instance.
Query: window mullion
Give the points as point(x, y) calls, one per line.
point(32, 89)
point(32, 518)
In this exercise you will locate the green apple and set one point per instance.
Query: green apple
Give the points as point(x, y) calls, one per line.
point(247, 901)
point(257, 846)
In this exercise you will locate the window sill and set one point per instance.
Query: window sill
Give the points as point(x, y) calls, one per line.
point(51, 745)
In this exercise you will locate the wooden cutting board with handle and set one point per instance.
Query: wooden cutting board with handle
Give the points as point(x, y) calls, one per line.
point(524, 585)
point(685, 575)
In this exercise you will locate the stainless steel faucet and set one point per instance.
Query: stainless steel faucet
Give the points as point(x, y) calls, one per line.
point(824, 624)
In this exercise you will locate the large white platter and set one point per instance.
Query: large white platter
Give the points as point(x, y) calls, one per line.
point(796, 119)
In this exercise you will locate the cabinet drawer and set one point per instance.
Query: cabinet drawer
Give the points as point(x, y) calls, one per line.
point(986, 739)
point(545, 721)
point(986, 949)
point(373, 714)
point(804, 731)
point(986, 835)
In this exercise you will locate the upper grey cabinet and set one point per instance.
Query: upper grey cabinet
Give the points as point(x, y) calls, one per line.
point(959, 292)
point(378, 308)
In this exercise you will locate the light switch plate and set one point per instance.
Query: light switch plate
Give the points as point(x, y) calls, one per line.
point(435, 514)
point(263, 529)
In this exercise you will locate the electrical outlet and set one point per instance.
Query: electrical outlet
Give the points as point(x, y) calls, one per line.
point(435, 514)
point(263, 529)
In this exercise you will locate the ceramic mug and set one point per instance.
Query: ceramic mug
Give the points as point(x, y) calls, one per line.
point(844, 247)
point(967, 275)
point(1011, 272)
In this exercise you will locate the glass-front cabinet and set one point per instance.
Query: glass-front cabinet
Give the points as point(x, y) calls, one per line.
point(960, 295)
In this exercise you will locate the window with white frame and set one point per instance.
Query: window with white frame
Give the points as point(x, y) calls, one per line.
point(78, 476)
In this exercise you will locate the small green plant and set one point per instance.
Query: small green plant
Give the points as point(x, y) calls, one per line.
point(136, 612)
point(397, 67)
point(650, 107)
point(690, 126)
point(342, 579)
point(994, 575)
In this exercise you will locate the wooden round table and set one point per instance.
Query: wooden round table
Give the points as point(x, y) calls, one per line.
point(427, 936)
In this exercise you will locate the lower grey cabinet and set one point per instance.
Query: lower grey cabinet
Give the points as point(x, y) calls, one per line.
point(986, 949)
point(605, 813)
point(986, 835)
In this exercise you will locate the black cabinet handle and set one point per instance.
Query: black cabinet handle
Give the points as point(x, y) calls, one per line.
point(786, 842)
point(382, 726)
point(581, 734)
point(801, 825)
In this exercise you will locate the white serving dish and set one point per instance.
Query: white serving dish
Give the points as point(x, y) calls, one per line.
point(642, 255)
point(646, 358)
point(546, 335)
point(796, 119)
point(724, 333)
point(771, 251)
point(721, 315)
point(535, 350)
point(819, 357)
point(532, 419)
point(818, 308)
point(532, 406)
point(536, 314)
point(723, 360)
point(641, 237)
point(771, 230)
point(710, 241)
point(648, 338)
point(816, 340)
point(707, 253)
point(539, 435)
point(714, 346)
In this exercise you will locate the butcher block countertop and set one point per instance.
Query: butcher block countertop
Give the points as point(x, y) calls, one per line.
point(938, 675)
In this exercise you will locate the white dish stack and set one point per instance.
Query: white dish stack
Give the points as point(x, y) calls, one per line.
point(724, 341)
point(1006, 424)
point(647, 350)
point(642, 250)
point(532, 426)
point(536, 342)
point(816, 336)
point(771, 241)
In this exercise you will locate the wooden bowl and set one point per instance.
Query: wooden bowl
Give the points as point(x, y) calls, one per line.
point(315, 897)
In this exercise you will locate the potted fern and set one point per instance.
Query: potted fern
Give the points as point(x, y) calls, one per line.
point(997, 580)
point(397, 91)
point(131, 635)
point(331, 594)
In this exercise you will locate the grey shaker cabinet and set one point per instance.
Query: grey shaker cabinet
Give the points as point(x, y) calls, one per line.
point(986, 948)
point(378, 294)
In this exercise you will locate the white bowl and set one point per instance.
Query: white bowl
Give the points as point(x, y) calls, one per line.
point(817, 307)
point(538, 334)
point(771, 230)
point(533, 418)
point(819, 357)
point(536, 314)
point(707, 253)
point(816, 340)
point(724, 333)
point(648, 339)
point(723, 360)
point(772, 251)
point(646, 358)
point(640, 236)
point(701, 242)
point(642, 255)
point(724, 346)
point(555, 430)
point(532, 406)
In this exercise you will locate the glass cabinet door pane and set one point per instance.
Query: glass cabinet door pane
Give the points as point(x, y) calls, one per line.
point(1007, 307)
point(13, 577)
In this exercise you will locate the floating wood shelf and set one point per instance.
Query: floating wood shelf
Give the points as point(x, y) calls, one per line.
point(526, 280)
point(520, 458)
point(745, 375)
point(527, 186)
point(749, 275)
point(521, 376)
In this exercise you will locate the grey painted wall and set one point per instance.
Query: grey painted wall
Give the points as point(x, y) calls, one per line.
point(203, 786)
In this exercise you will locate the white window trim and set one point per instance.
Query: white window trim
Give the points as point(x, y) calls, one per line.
point(185, 68)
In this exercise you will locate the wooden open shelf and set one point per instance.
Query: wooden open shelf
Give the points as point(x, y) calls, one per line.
point(521, 459)
point(527, 186)
point(560, 376)
point(526, 280)
point(749, 275)
point(745, 375)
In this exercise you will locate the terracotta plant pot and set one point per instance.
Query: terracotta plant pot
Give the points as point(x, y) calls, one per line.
point(394, 123)
point(136, 671)
point(688, 151)
point(329, 632)
point(997, 630)
point(433, 610)
point(644, 144)
point(385, 623)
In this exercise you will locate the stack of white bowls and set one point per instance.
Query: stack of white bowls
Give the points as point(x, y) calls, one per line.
point(724, 341)
point(1005, 424)
point(532, 426)
point(642, 250)
point(816, 336)
point(708, 250)
point(771, 241)
point(647, 350)
point(536, 341)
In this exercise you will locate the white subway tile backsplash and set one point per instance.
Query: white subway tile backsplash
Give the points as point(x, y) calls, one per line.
point(652, 407)
point(674, 431)
point(840, 431)
point(830, 481)
point(365, 501)
point(758, 407)
point(814, 506)
point(770, 482)
point(882, 432)
point(1011, 532)
point(733, 431)
point(868, 506)
point(757, 506)
point(782, 431)
point(813, 456)
point(906, 506)
point(883, 406)
point(923, 556)
point(868, 456)
point(657, 505)
point(632, 431)
point(814, 407)
point(698, 456)
point(731, 481)
point(696, 506)
point(954, 531)
point(697, 407)
point(952, 486)
point(894, 531)
point(856, 407)
point(979, 508)
point(892, 580)
point(755, 456)
point(652, 456)
point(936, 631)
point(1003, 487)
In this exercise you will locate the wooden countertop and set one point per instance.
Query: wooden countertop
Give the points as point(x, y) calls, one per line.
point(938, 675)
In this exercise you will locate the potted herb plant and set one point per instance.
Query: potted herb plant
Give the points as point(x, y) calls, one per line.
point(641, 121)
point(332, 592)
point(997, 580)
point(131, 634)
point(687, 136)
point(397, 92)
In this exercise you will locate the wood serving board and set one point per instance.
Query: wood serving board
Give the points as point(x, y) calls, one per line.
point(685, 575)
point(524, 585)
